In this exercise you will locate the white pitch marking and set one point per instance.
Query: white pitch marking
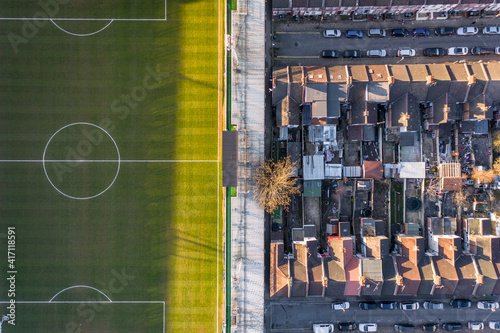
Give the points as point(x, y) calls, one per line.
point(81, 35)
point(75, 19)
point(109, 161)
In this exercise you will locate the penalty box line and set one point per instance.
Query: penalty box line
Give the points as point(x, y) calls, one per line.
point(94, 302)
point(82, 19)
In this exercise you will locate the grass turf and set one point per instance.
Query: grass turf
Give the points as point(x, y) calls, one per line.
point(157, 224)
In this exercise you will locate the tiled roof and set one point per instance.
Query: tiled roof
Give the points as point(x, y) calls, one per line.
point(373, 169)
point(410, 274)
point(389, 273)
point(452, 184)
point(466, 275)
point(337, 74)
point(352, 277)
point(490, 278)
point(278, 271)
point(449, 278)
point(336, 278)
point(450, 247)
point(281, 3)
point(426, 275)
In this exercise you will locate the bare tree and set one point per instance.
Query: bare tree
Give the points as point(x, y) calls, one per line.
point(496, 166)
point(496, 141)
point(459, 198)
point(432, 189)
point(483, 176)
point(275, 184)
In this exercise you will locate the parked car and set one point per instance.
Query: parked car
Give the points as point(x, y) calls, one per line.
point(433, 305)
point(332, 33)
point(487, 305)
point(491, 30)
point(347, 326)
point(367, 327)
point(340, 306)
point(445, 31)
point(430, 327)
point(376, 53)
point(409, 306)
point(388, 305)
point(494, 325)
point(367, 305)
point(452, 326)
point(420, 32)
point(330, 54)
point(479, 50)
point(400, 33)
point(406, 52)
point(460, 303)
point(352, 54)
point(323, 328)
point(376, 33)
point(476, 326)
point(434, 52)
point(467, 31)
point(404, 328)
point(354, 34)
point(458, 50)
point(497, 50)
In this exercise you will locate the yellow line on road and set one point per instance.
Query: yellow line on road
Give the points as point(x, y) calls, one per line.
point(298, 57)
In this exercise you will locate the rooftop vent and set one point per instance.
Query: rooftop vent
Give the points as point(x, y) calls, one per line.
point(370, 71)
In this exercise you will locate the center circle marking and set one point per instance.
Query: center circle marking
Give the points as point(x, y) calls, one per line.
point(47, 175)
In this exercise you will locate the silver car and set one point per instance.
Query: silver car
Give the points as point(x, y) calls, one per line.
point(433, 305)
point(467, 31)
point(376, 53)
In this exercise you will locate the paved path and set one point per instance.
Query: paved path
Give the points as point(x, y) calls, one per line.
point(247, 219)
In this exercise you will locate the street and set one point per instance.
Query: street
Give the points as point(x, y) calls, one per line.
point(300, 316)
point(303, 43)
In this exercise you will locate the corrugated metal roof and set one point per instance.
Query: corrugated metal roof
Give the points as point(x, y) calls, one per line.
point(412, 170)
point(352, 171)
point(314, 167)
point(333, 171)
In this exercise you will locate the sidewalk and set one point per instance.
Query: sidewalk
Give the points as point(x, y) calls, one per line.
point(247, 219)
point(290, 24)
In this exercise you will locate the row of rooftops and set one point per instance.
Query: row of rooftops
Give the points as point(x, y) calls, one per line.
point(339, 272)
point(413, 4)
point(396, 94)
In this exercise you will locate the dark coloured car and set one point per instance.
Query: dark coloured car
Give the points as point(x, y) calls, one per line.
point(354, 34)
point(460, 303)
point(434, 52)
point(329, 54)
point(430, 327)
point(400, 33)
point(347, 326)
point(388, 305)
point(352, 54)
point(420, 32)
point(452, 327)
point(478, 50)
point(404, 328)
point(367, 305)
point(445, 31)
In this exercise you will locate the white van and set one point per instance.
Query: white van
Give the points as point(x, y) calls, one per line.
point(331, 33)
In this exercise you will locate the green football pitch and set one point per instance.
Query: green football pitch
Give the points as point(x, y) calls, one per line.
point(109, 166)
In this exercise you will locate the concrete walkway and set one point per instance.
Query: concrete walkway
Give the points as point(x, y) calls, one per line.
point(247, 219)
